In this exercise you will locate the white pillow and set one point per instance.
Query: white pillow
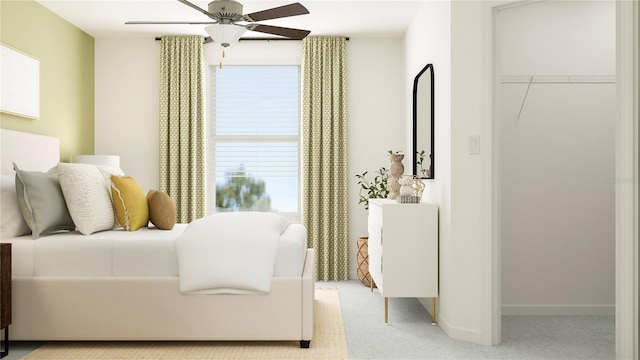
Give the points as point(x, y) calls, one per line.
point(87, 197)
point(12, 222)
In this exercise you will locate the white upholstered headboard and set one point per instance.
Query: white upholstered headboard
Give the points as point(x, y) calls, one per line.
point(30, 152)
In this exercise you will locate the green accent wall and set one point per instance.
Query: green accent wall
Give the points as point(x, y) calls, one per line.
point(66, 56)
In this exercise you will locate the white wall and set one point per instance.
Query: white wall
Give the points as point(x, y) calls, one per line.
point(557, 160)
point(428, 42)
point(126, 105)
point(127, 88)
point(376, 100)
point(463, 240)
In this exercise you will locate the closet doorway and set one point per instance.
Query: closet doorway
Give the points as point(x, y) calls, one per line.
point(555, 114)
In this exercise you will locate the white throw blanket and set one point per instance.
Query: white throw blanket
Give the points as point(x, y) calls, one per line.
point(232, 253)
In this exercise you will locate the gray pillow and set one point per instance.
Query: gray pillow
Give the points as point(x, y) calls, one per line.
point(42, 203)
point(11, 220)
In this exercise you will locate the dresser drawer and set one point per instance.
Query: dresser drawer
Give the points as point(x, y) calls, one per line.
point(375, 223)
point(375, 264)
point(403, 248)
point(375, 235)
point(375, 215)
point(375, 246)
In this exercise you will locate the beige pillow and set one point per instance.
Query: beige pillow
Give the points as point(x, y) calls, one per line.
point(162, 210)
point(86, 196)
point(129, 203)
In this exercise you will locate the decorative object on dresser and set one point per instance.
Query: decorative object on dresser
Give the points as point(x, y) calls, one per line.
point(373, 189)
point(5, 294)
point(403, 250)
point(395, 172)
point(411, 188)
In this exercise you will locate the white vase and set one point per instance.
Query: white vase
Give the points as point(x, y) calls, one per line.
point(406, 185)
point(406, 190)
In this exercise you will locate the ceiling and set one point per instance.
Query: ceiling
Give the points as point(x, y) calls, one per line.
point(106, 18)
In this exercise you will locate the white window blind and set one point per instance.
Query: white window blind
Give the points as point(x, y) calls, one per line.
point(256, 138)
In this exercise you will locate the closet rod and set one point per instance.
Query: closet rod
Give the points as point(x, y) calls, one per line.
point(554, 79)
point(558, 79)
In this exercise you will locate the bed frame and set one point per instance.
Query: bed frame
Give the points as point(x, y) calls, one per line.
point(146, 308)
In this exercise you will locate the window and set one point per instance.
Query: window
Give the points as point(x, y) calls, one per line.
point(255, 139)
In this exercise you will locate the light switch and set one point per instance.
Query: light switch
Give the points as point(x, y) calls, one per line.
point(474, 144)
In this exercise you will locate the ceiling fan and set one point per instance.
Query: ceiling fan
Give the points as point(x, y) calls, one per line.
point(229, 23)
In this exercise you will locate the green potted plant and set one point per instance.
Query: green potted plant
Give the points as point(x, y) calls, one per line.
point(375, 188)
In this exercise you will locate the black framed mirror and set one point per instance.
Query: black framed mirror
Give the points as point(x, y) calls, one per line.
point(423, 124)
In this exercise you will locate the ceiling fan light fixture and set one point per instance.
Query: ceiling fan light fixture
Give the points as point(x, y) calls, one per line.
point(225, 34)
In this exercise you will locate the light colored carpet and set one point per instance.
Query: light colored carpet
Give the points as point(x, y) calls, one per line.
point(328, 343)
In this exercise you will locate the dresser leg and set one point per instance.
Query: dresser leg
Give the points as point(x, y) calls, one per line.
point(433, 311)
point(386, 310)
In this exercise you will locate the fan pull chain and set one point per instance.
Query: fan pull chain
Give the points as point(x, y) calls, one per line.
point(221, 60)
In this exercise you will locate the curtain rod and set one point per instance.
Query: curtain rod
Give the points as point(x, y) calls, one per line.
point(254, 39)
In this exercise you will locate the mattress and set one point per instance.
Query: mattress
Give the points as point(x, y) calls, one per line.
point(146, 252)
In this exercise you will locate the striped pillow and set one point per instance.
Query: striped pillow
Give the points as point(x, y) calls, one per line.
point(87, 197)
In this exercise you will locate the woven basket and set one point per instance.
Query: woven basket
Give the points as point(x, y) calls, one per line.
point(363, 262)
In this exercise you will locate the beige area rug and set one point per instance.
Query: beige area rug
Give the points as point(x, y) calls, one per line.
point(328, 342)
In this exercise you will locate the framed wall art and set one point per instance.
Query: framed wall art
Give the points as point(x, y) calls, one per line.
point(20, 83)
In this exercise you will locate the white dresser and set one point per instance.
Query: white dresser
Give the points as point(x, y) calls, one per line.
point(403, 250)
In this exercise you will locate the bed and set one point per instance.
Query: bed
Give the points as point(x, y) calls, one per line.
point(124, 285)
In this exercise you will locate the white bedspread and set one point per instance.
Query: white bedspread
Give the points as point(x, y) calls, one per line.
point(232, 253)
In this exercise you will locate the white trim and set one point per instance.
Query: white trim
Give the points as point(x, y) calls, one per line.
point(626, 215)
point(492, 294)
point(491, 319)
point(533, 310)
point(460, 333)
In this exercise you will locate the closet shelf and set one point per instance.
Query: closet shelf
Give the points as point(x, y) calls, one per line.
point(558, 79)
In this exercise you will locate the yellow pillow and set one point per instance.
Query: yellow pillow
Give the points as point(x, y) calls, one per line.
point(162, 210)
point(129, 202)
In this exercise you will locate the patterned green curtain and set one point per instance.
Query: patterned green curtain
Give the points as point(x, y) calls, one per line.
point(324, 154)
point(182, 122)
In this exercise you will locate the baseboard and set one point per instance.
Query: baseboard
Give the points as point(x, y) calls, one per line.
point(558, 309)
point(455, 332)
point(460, 333)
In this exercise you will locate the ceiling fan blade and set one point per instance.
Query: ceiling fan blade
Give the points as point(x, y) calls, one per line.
point(170, 22)
point(197, 8)
point(295, 34)
point(277, 12)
